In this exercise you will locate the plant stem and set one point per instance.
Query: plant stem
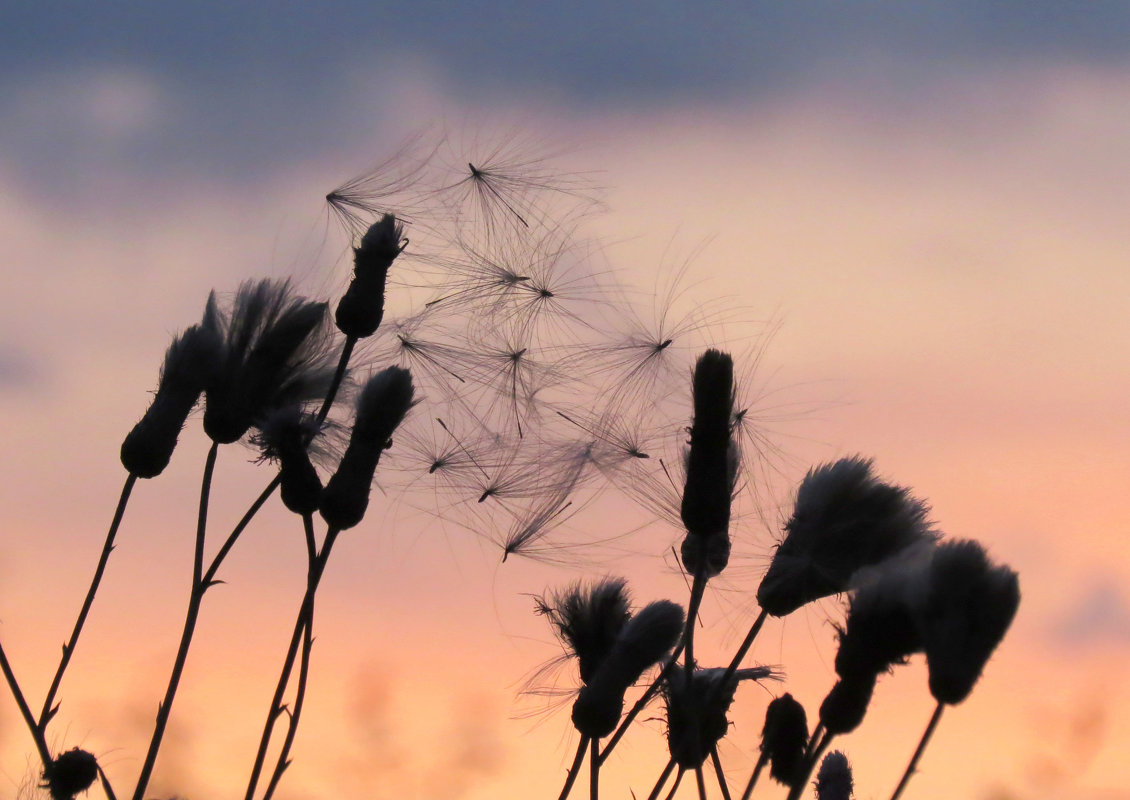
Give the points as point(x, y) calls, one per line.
point(305, 617)
point(69, 648)
point(303, 675)
point(199, 586)
point(753, 778)
point(736, 662)
point(210, 574)
point(675, 785)
point(25, 710)
point(663, 776)
point(575, 769)
point(925, 740)
point(698, 588)
point(339, 376)
point(594, 769)
point(718, 771)
point(701, 781)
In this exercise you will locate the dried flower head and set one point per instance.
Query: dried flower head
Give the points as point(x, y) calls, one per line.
point(844, 519)
point(970, 603)
point(697, 708)
point(276, 351)
point(784, 738)
point(381, 406)
point(189, 365)
point(587, 619)
point(834, 781)
point(846, 704)
point(285, 436)
point(361, 308)
point(646, 638)
point(70, 773)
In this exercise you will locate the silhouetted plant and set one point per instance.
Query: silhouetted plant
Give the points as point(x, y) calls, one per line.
point(509, 383)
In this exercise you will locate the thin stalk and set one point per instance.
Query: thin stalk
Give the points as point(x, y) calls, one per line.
point(25, 710)
point(225, 548)
point(106, 787)
point(736, 662)
point(575, 769)
point(69, 648)
point(663, 776)
point(753, 778)
point(925, 740)
point(594, 769)
point(700, 779)
point(196, 596)
point(305, 615)
point(675, 785)
point(303, 677)
point(718, 771)
point(639, 705)
point(339, 376)
point(698, 588)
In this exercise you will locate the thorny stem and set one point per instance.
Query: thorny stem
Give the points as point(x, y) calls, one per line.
point(575, 769)
point(199, 586)
point(305, 618)
point(69, 648)
point(925, 740)
point(753, 778)
point(303, 675)
point(672, 660)
point(594, 769)
point(663, 776)
point(25, 710)
point(718, 771)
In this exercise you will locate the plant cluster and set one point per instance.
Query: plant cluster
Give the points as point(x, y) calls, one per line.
point(509, 381)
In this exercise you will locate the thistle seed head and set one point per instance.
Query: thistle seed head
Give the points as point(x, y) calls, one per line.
point(696, 710)
point(844, 519)
point(712, 456)
point(587, 619)
point(970, 603)
point(70, 773)
point(189, 365)
point(833, 781)
point(361, 308)
point(276, 351)
point(381, 407)
point(845, 706)
point(784, 738)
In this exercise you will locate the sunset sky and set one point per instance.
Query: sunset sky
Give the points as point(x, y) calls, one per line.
point(917, 215)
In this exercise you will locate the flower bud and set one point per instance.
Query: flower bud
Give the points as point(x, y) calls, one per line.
point(361, 308)
point(70, 773)
point(784, 738)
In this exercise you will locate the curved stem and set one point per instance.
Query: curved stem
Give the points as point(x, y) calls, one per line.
point(25, 710)
point(575, 769)
point(736, 662)
point(339, 376)
point(305, 615)
point(698, 588)
point(199, 586)
point(210, 574)
point(69, 648)
point(925, 740)
point(809, 764)
point(675, 785)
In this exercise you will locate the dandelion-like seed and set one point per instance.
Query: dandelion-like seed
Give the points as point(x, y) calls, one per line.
point(844, 519)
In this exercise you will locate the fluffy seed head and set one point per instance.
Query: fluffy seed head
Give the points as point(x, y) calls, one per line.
point(834, 781)
point(696, 710)
point(285, 436)
point(844, 519)
point(276, 351)
point(711, 458)
point(361, 308)
point(587, 619)
point(845, 706)
point(189, 365)
point(969, 606)
point(381, 407)
point(72, 772)
point(784, 737)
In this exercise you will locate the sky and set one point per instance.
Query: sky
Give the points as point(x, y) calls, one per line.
point(913, 215)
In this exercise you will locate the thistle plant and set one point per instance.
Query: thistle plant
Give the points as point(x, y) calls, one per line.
point(480, 363)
